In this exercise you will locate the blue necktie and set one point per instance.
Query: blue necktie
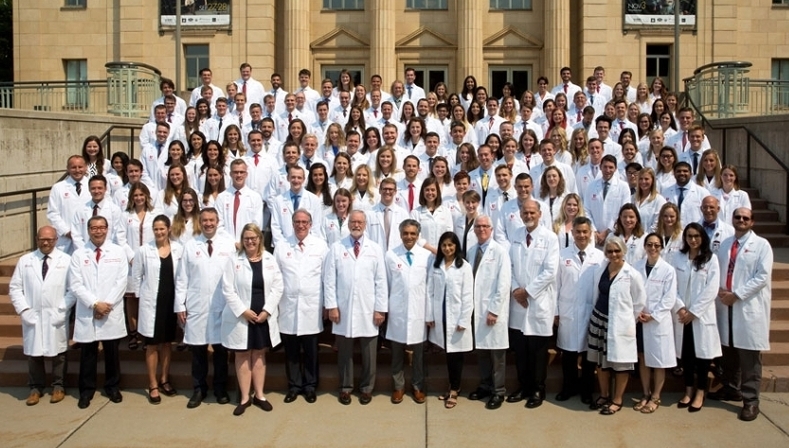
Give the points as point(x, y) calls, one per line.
point(295, 198)
point(408, 257)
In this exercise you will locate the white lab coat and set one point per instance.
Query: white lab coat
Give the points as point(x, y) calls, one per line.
point(356, 286)
point(752, 283)
point(731, 201)
point(626, 299)
point(282, 214)
point(135, 230)
point(145, 282)
point(661, 294)
point(696, 292)
point(635, 248)
point(456, 287)
point(534, 269)
point(491, 295)
point(301, 307)
point(49, 299)
point(433, 224)
point(237, 289)
point(604, 212)
point(63, 204)
point(407, 294)
point(649, 211)
point(116, 224)
point(574, 308)
point(93, 282)
point(198, 288)
point(332, 230)
point(250, 210)
point(376, 228)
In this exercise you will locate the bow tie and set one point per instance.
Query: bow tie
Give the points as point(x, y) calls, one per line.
point(710, 225)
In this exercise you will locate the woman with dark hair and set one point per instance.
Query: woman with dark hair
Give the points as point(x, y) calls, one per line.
point(194, 154)
point(414, 137)
point(664, 173)
point(215, 184)
point(153, 282)
point(658, 107)
point(543, 93)
point(370, 144)
point(434, 218)
point(335, 224)
point(93, 153)
point(204, 113)
point(190, 125)
point(318, 184)
point(474, 113)
point(628, 226)
point(176, 155)
point(467, 92)
point(466, 159)
point(529, 149)
point(645, 125)
point(296, 130)
point(667, 123)
point(344, 83)
point(341, 174)
point(186, 223)
point(450, 286)
point(119, 162)
point(232, 143)
point(493, 141)
point(177, 182)
point(442, 174)
point(355, 121)
point(481, 95)
point(696, 335)
point(213, 156)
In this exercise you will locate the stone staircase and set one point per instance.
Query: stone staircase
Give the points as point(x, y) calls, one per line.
point(767, 221)
point(13, 363)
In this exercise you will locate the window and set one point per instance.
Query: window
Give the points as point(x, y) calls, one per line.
point(343, 4)
point(659, 63)
point(76, 87)
point(510, 4)
point(780, 72)
point(76, 4)
point(333, 72)
point(196, 59)
point(781, 2)
point(518, 76)
point(426, 4)
point(428, 77)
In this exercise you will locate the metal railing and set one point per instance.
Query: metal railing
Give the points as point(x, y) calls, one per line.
point(132, 87)
point(106, 139)
point(723, 90)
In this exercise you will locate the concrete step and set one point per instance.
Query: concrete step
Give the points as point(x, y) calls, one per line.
point(776, 239)
point(768, 227)
point(7, 267)
point(4, 282)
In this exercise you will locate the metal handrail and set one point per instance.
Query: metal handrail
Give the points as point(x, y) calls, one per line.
point(725, 64)
point(106, 141)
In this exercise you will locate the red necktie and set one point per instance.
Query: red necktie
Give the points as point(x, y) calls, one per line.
point(236, 204)
point(244, 88)
point(375, 113)
point(290, 117)
point(257, 159)
point(301, 246)
point(578, 118)
point(210, 247)
point(98, 254)
point(732, 258)
point(490, 124)
point(410, 197)
point(598, 89)
point(565, 89)
point(170, 117)
point(684, 140)
point(356, 248)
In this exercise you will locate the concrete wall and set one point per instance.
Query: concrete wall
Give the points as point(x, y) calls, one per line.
point(34, 148)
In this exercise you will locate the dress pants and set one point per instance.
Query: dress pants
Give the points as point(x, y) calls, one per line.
point(536, 364)
point(345, 362)
point(417, 368)
point(742, 370)
point(200, 368)
point(302, 370)
point(38, 374)
point(455, 369)
point(694, 370)
point(87, 367)
point(518, 345)
point(492, 368)
point(571, 384)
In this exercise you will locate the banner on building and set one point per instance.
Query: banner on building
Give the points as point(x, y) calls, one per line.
point(196, 13)
point(657, 13)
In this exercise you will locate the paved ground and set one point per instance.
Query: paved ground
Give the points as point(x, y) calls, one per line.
point(327, 423)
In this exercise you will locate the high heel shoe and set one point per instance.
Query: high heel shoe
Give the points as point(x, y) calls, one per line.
point(692, 408)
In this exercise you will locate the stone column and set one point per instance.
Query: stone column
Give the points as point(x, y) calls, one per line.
point(297, 38)
point(470, 60)
point(383, 59)
point(557, 39)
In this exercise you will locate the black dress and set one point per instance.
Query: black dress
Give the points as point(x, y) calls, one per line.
point(258, 337)
point(166, 320)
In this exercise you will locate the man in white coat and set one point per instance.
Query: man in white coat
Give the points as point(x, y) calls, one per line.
point(716, 228)
point(100, 204)
point(40, 295)
point(604, 197)
point(576, 263)
point(743, 310)
point(239, 205)
point(65, 198)
point(300, 259)
point(491, 267)
point(282, 206)
point(97, 277)
point(535, 259)
point(354, 282)
point(406, 275)
point(199, 303)
point(686, 194)
point(385, 217)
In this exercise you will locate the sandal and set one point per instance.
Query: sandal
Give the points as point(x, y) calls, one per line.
point(134, 342)
point(651, 406)
point(641, 403)
point(452, 400)
point(599, 403)
point(151, 398)
point(167, 389)
point(608, 410)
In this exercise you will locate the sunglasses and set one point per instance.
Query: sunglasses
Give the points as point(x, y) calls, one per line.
point(741, 218)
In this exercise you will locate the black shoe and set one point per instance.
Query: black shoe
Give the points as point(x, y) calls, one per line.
point(310, 396)
point(365, 398)
point(222, 398)
point(586, 399)
point(749, 412)
point(515, 396)
point(534, 401)
point(564, 396)
point(291, 396)
point(115, 396)
point(197, 398)
point(345, 398)
point(242, 407)
point(262, 404)
point(84, 402)
point(154, 400)
point(726, 394)
point(495, 401)
point(479, 394)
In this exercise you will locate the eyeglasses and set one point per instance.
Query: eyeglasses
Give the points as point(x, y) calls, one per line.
point(658, 245)
point(251, 238)
point(613, 251)
point(97, 228)
point(741, 218)
point(481, 226)
point(692, 236)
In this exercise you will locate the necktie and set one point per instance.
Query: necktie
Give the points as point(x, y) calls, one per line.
point(591, 103)
point(605, 189)
point(159, 149)
point(506, 196)
point(485, 181)
point(236, 205)
point(681, 197)
point(78, 186)
point(257, 159)
point(295, 198)
point(308, 163)
point(598, 89)
point(169, 117)
point(210, 247)
point(387, 225)
point(565, 89)
point(594, 171)
point(582, 256)
point(490, 123)
point(344, 113)
point(430, 163)
point(241, 119)
point(356, 248)
point(375, 113)
point(301, 246)
point(732, 259)
point(95, 209)
point(220, 123)
point(45, 267)
point(695, 162)
point(409, 92)
point(408, 258)
point(477, 259)
point(410, 197)
point(528, 239)
point(290, 117)
point(266, 145)
point(244, 88)
point(684, 140)
point(621, 125)
point(578, 118)
point(98, 254)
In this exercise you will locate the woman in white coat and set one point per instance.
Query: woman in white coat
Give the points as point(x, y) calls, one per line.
point(629, 227)
point(153, 283)
point(335, 224)
point(434, 218)
point(654, 330)
point(696, 335)
point(617, 290)
point(450, 284)
point(249, 320)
